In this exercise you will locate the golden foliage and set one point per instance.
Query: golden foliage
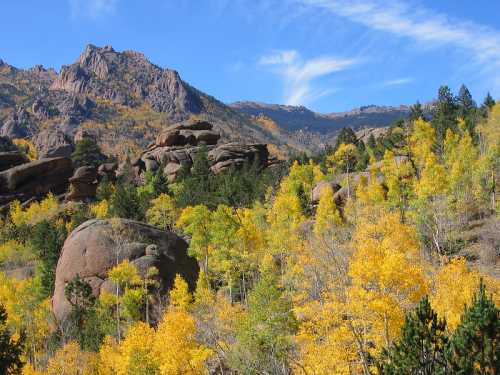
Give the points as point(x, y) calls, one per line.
point(47, 209)
point(70, 360)
point(163, 213)
point(26, 146)
point(455, 284)
point(100, 209)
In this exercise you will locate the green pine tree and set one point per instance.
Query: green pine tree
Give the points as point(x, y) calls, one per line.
point(87, 152)
point(11, 350)
point(416, 112)
point(346, 136)
point(47, 240)
point(420, 350)
point(445, 115)
point(489, 102)
point(474, 348)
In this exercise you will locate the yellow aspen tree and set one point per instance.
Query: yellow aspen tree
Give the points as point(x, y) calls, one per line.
point(326, 341)
point(180, 297)
point(344, 161)
point(100, 209)
point(163, 213)
point(454, 286)
point(461, 158)
point(134, 355)
point(176, 348)
point(71, 360)
point(128, 296)
point(327, 213)
point(398, 173)
point(387, 276)
point(422, 142)
point(284, 217)
point(486, 178)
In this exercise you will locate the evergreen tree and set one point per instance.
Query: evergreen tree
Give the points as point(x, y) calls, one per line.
point(445, 115)
point(126, 203)
point(489, 102)
point(416, 112)
point(467, 108)
point(83, 316)
point(363, 156)
point(346, 136)
point(420, 350)
point(87, 152)
point(372, 143)
point(47, 240)
point(11, 349)
point(465, 101)
point(474, 348)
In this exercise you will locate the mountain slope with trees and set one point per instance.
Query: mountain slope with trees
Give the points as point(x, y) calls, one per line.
point(376, 258)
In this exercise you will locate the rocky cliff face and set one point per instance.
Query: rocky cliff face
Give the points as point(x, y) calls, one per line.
point(127, 78)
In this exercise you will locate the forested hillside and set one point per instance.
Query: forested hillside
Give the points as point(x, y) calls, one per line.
point(376, 257)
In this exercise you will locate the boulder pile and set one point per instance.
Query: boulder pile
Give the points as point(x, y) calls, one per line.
point(177, 147)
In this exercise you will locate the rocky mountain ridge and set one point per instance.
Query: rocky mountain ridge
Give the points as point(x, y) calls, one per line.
point(302, 119)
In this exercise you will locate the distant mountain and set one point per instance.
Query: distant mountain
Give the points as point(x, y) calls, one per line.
point(121, 97)
point(299, 118)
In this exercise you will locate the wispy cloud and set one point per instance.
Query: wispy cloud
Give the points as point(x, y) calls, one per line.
point(398, 82)
point(298, 74)
point(421, 24)
point(92, 8)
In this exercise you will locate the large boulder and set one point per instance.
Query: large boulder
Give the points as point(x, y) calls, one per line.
point(234, 155)
point(11, 159)
point(96, 246)
point(35, 179)
point(51, 143)
point(192, 133)
point(316, 192)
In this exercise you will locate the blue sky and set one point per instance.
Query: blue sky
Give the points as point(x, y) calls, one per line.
point(330, 55)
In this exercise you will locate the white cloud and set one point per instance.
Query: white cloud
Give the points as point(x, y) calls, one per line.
point(298, 75)
point(92, 8)
point(398, 82)
point(280, 57)
point(422, 25)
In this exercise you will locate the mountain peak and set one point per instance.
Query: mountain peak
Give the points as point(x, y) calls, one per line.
point(127, 78)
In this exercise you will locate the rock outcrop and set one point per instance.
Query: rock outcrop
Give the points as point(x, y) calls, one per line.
point(19, 125)
point(96, 246)
point(176, 148)
point(51, 143)
point(83, 184)
point(127, 78)
point(10, 159)
point(35, 179)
